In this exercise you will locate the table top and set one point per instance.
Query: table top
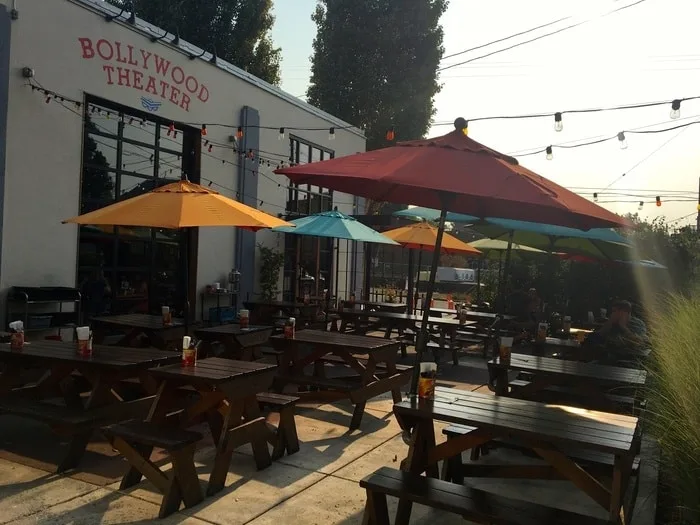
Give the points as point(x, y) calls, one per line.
point(407, 317)
point(149, 322)
point(212, 370)
point(348, 341)
point(279, 304)
point(529, 420)
point(556, 341)
point(233, 329)
point(596, 373)
point(102, 355)
point(378, 304)
point(473, 313)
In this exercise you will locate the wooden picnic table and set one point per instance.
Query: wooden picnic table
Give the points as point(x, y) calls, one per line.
point(401, 322)
point(589, 381)
point(372, 358)
point(103, 371)
point(239, 343)
point(547, 430)
point(227, 396)
point(472, 315)
point(137, 325)
point(377, 306)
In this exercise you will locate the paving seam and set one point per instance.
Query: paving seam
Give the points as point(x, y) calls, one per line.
point(54, 505)
point(325, 476)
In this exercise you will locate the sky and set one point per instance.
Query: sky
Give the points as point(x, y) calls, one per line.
point(646, 53)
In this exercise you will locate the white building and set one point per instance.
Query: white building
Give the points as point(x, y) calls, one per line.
point(95, 107)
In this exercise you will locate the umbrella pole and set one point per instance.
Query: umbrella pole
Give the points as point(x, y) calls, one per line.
point(423, 335)
point(478, 282)
point(420, 255)
point(409, 283)
point(506, 271)
point(368, 266)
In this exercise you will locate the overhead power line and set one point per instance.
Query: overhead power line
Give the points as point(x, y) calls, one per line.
point(571, 26)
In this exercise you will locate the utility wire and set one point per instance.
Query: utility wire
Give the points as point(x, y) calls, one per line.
point(538, 37)
point(665, 143)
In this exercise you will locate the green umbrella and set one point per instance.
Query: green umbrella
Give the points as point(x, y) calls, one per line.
point(493, 248)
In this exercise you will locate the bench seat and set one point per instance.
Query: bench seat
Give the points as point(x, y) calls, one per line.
point(285, 438)
point(136, 439)
point(473, 504)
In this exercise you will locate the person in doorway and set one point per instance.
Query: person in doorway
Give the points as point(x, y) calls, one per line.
point(96, 293)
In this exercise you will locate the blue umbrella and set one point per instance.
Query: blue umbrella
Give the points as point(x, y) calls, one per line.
point(646, 263)
point(336, 225)
point(429, 214)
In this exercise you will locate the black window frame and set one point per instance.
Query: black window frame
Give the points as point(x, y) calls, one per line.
point(301, 200)
point(156, 241)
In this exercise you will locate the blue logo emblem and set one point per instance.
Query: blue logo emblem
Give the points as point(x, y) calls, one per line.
point(150, 105)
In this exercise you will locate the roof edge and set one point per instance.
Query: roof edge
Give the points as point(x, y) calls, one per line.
point(186, 48)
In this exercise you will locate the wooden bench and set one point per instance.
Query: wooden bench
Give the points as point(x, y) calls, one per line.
point(285, 438)
point(622, 403)
point(452, 469)
point(473, 504)
point(334, 359)
point(136, 440)
point(74, 422)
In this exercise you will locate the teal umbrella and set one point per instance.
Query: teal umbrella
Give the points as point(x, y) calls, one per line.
point(599, 243)
point(429, 214)
point(336, 225)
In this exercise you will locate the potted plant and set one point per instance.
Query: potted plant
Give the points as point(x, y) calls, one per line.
point(271, 263)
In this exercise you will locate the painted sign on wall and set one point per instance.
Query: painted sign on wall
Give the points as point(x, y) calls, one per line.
point(145, 71)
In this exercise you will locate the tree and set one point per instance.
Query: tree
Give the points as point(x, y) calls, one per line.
point(375, 64)
point(238, 30)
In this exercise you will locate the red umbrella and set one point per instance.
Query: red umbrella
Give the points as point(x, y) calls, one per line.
point(457, 173)
point(453, 173)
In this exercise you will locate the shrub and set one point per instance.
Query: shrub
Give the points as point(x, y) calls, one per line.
point(674, 401)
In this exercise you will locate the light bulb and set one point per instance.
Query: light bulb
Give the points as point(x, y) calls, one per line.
point(675, 109)
point(558, 124)
point(595, 197)
point(623, 141)
point(549, 153)
point(641, 205)
point(281, 135)
point(331, 134)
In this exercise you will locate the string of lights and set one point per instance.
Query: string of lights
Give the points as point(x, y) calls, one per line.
point(603, 197)
point(391, 132)
point(174, 169)
point(620, 136)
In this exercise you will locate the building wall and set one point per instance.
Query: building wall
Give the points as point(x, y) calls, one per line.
point(62, 40)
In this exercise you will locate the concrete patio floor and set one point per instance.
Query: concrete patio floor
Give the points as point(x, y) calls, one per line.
point(316, 486)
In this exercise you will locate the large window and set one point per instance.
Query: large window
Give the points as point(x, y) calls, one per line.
point(307, 255)
point(127, 153)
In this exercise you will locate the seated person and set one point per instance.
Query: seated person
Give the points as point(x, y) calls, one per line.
point(526, 309)
point(622, 333)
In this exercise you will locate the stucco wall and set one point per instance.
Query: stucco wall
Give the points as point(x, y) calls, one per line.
point(44, 140)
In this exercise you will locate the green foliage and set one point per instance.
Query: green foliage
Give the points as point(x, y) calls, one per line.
point(271, 263)
point(237, 29)
point(375, 64)
point(674, 400)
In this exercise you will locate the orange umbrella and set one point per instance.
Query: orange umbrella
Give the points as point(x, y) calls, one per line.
point(181, 204)
point(422, 236)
